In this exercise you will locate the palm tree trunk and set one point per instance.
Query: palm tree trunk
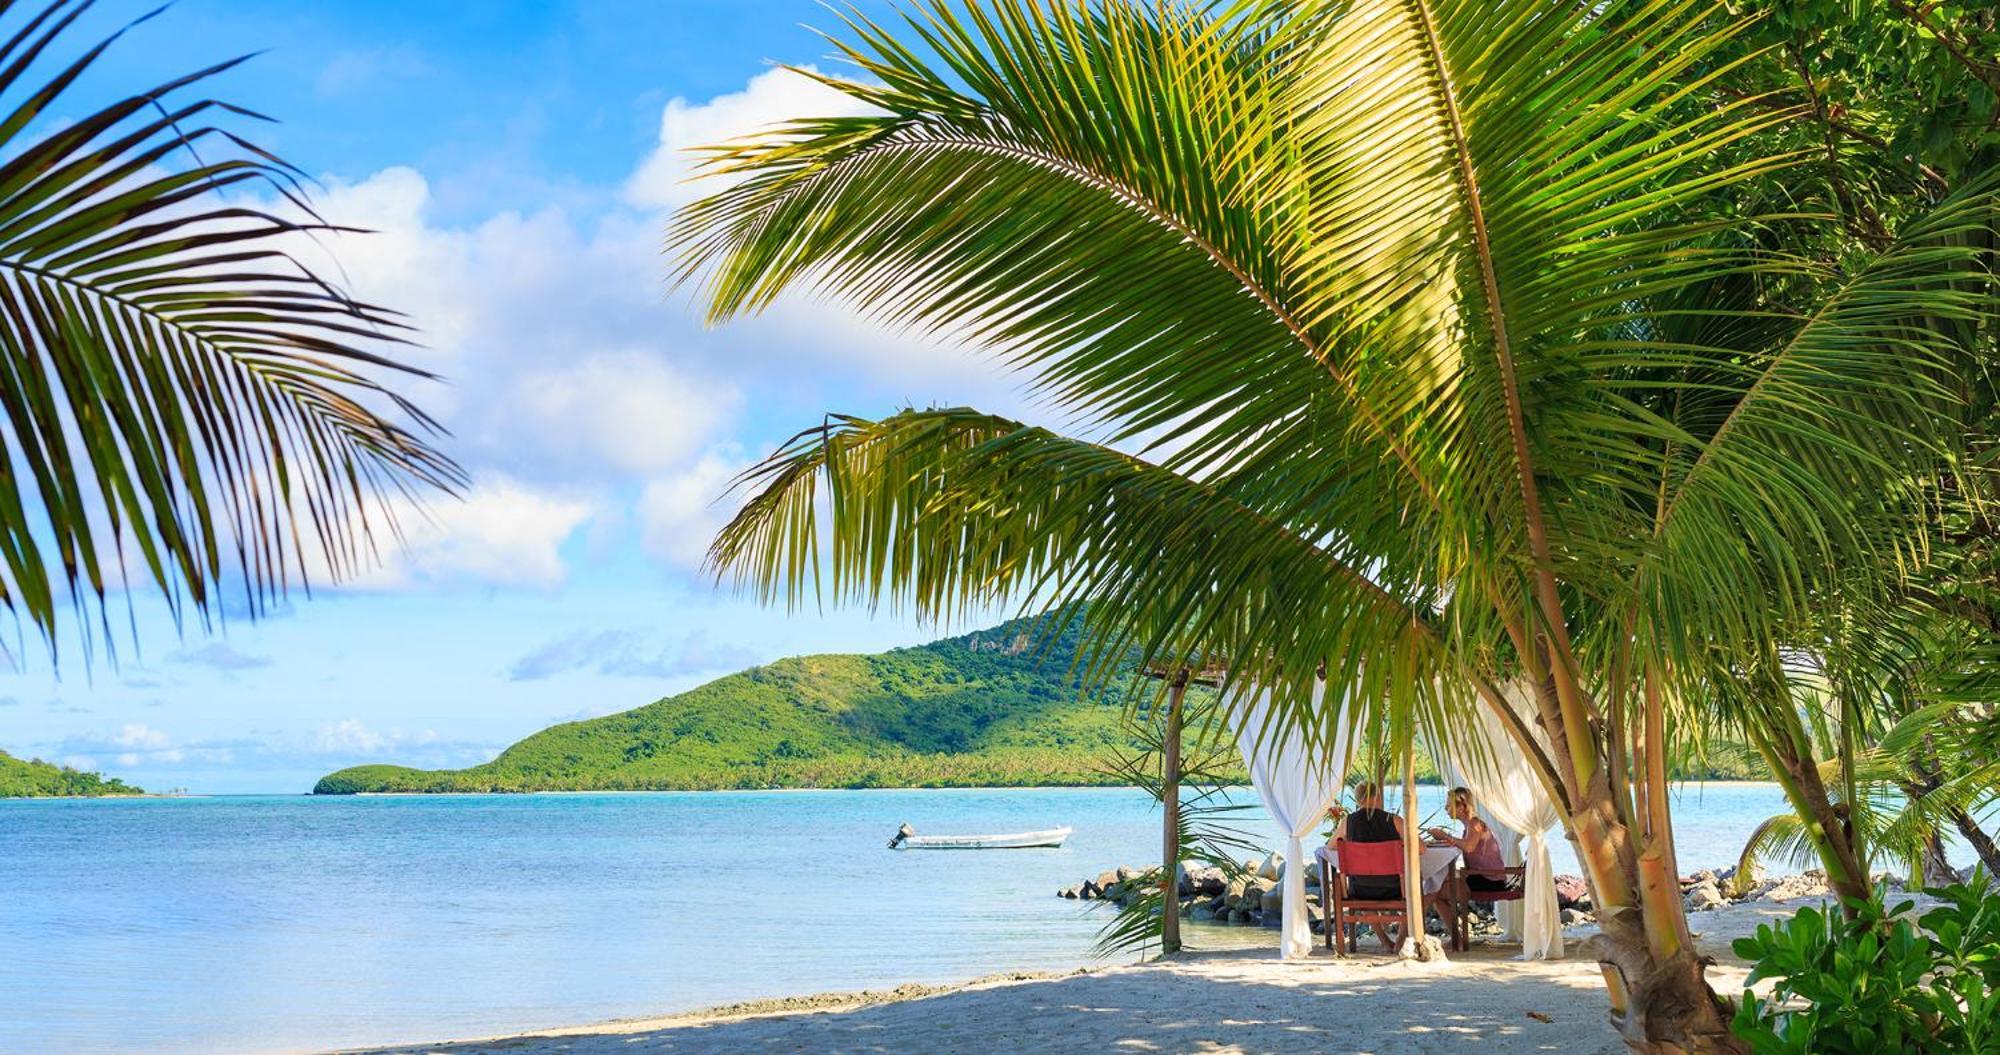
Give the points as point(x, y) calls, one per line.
point(1834, 831)
point(1937, 870)
point(1413, 876)
point(1982, 843)
point(1832, 836)
point(1933, 867)
point(1661, 1004)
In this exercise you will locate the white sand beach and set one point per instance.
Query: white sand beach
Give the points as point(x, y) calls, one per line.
point(1237, 1002)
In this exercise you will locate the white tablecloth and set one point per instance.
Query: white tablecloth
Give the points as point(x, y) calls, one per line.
point(1435, 863)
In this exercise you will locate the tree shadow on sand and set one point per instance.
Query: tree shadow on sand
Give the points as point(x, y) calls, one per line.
point(1239, 1003)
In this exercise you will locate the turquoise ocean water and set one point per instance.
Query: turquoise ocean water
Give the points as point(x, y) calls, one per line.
point(288, 923)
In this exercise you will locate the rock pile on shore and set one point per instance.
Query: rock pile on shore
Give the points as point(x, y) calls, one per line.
point(1710, 889)
point(1247, 894)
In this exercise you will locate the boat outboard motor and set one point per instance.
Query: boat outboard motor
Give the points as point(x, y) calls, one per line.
point(902, 833)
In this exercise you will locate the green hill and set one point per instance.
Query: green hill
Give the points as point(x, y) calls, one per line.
point(981, 710)
point(34, 778)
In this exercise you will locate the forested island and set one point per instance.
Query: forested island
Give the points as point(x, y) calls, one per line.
point(996, 708)
point(34, 778)
point(993, 708)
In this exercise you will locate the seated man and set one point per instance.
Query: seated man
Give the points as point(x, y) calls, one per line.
point(1370, 823)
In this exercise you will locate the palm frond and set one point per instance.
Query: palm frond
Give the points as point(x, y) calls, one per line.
point(1783, 838)
point(1845, 414)
point(951, 510)
point(1068, 186)
point(174, 381)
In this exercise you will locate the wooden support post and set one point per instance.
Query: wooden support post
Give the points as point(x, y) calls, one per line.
point(1413, 873)
point(1170, 837)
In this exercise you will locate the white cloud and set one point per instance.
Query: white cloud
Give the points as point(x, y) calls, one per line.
point(364, 69)
point(344, 742)
point(574, 379)
point(567, 363)
point(502, 533)
point(217, 654)
point(352, 740)
point(630, 654)
point(769, 99)
point(349, 734)
point(139, 735)
point(132, 745)
point(632, 412)
point(680, 514)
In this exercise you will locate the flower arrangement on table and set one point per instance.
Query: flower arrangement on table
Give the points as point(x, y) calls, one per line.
point(1335, 813)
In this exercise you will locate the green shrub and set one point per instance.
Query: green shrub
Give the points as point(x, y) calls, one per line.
point(1879, 982)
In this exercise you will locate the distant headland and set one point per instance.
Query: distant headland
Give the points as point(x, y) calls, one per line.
point(996, 708)
point(35, 779)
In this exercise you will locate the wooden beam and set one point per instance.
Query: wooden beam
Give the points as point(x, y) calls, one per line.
point(1211, 675)
point(1170, 836)
point(1413, 879)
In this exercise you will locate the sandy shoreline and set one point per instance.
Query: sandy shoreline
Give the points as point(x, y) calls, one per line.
point(1234, 1002)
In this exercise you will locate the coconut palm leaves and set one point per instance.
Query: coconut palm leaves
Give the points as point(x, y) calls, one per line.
point(1083, 207)
point(1807, 425)
point(180, 395)
point(953, 509)
point(1360, 270)
point(1427, 340)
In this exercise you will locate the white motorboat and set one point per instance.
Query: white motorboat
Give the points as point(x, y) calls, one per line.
point(908, 839)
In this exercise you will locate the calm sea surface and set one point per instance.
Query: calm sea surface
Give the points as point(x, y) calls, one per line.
point(285, 923)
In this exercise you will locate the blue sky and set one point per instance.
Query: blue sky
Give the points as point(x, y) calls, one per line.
point(517, 161)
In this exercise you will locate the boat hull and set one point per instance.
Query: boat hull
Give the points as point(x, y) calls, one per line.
point(1017, 841)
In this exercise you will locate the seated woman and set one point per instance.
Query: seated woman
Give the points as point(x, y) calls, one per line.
point(1480, 847)
point(1370, 823)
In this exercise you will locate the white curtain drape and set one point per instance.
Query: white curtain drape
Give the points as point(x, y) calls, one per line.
point(1296, 784)
point(1506, 790)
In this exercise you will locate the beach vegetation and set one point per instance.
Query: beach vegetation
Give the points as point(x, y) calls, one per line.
point(1862, 705)
point(34, 778)
point(1878, 978)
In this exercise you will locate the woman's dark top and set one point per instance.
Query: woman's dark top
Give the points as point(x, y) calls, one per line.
point(1373, 826)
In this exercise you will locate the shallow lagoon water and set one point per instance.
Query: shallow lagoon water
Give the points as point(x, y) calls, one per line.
point(249, 924)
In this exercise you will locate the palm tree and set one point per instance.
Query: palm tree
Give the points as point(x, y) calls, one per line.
point(1424, 340)
point(1899, 104)
point(182, 397)
point(1869, 738)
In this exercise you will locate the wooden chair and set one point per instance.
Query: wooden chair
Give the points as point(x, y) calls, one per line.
point(1343, 911)
point(1515, 879)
